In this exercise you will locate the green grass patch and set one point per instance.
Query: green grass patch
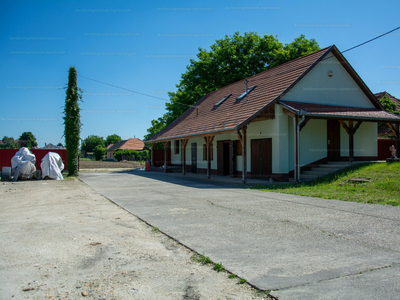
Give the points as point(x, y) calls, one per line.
point(219, 267)
point(382, 185)
point(205, 260)
point(154, 229)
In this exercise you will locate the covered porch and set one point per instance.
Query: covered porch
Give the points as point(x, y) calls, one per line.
point(349, 118)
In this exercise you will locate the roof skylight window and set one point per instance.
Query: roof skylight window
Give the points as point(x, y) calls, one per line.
point(246, 93)
point(222, 100)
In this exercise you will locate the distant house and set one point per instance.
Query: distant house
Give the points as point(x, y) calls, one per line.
point(50, 146)
point(279, 122)
point(130, 144)
point(396, 101)
point(383, 129)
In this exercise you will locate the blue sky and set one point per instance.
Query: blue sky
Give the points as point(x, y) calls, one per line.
point(146, 46)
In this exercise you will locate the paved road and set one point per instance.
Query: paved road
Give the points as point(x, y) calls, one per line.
point(298, 247)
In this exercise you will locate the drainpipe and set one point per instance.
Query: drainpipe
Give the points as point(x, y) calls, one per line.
point(298, 144)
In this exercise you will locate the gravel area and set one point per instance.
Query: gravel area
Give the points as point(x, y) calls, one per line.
point(62, 240)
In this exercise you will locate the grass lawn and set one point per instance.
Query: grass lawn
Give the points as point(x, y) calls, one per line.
point(382, 187)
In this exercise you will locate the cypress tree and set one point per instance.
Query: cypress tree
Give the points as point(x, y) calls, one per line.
point(72, 122)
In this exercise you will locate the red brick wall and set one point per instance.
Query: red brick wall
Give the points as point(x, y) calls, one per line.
point(7, 154)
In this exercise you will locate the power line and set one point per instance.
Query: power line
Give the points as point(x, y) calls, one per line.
point(375, 38)
point(287, 71)
point(291, 70)
point(122, 88)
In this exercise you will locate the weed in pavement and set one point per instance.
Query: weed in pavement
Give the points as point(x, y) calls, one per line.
point(219, 267)
point(205, 260)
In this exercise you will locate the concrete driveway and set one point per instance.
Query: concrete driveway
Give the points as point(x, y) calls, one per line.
point(298, 247)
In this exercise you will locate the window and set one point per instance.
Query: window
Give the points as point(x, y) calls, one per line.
point(222, 100)
point(176, 150)
point(205, 152)
point(246, 93)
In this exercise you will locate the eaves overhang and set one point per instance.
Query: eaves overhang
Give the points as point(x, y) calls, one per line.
point(392, 118)
point(191, 135)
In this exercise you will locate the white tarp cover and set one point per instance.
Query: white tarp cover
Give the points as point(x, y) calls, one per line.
point(23, 164)
point(52, 166)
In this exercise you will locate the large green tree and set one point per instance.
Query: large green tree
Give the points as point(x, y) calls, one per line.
point(230, 59)
point(8, 143)
point(72, 121)
point(388, 105)
point(91, 142)
point(29, 138)
point(112, 139)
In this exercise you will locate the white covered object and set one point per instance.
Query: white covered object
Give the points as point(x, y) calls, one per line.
point(23, 164)
point(23, 154)
point(52, 166)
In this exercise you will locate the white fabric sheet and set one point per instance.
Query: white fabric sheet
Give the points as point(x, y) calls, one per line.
point(52, 166)
point(23, 164)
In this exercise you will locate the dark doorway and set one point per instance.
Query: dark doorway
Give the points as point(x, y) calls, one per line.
point(333, 143)
point(261, 158)
point(223, 162)
point(232, 155)
point(194, 158)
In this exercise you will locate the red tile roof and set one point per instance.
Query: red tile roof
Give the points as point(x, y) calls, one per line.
point(205, 118)
point(345, 113)
point(130, 144)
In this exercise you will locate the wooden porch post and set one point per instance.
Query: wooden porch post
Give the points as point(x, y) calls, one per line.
point(183, 155)
point(208, 140)
point(351, 142)
point(296, 149)
point(152, 155)
point(165, 156)
point(244, 154)
point(242, 137)
point(351, 130)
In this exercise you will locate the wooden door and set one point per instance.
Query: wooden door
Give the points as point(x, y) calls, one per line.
point(232, 154)
point(194, 158)
point(220, 158)
point(223, 158)
point(226, 159)
point(333, 143)
point(261, 158)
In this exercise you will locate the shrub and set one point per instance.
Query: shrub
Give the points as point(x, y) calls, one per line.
point(136, 155)
point(99, 152)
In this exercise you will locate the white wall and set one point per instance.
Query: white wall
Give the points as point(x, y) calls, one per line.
point(313, 142)
point(277, 130)
point(175, 158)
point(317, 87)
